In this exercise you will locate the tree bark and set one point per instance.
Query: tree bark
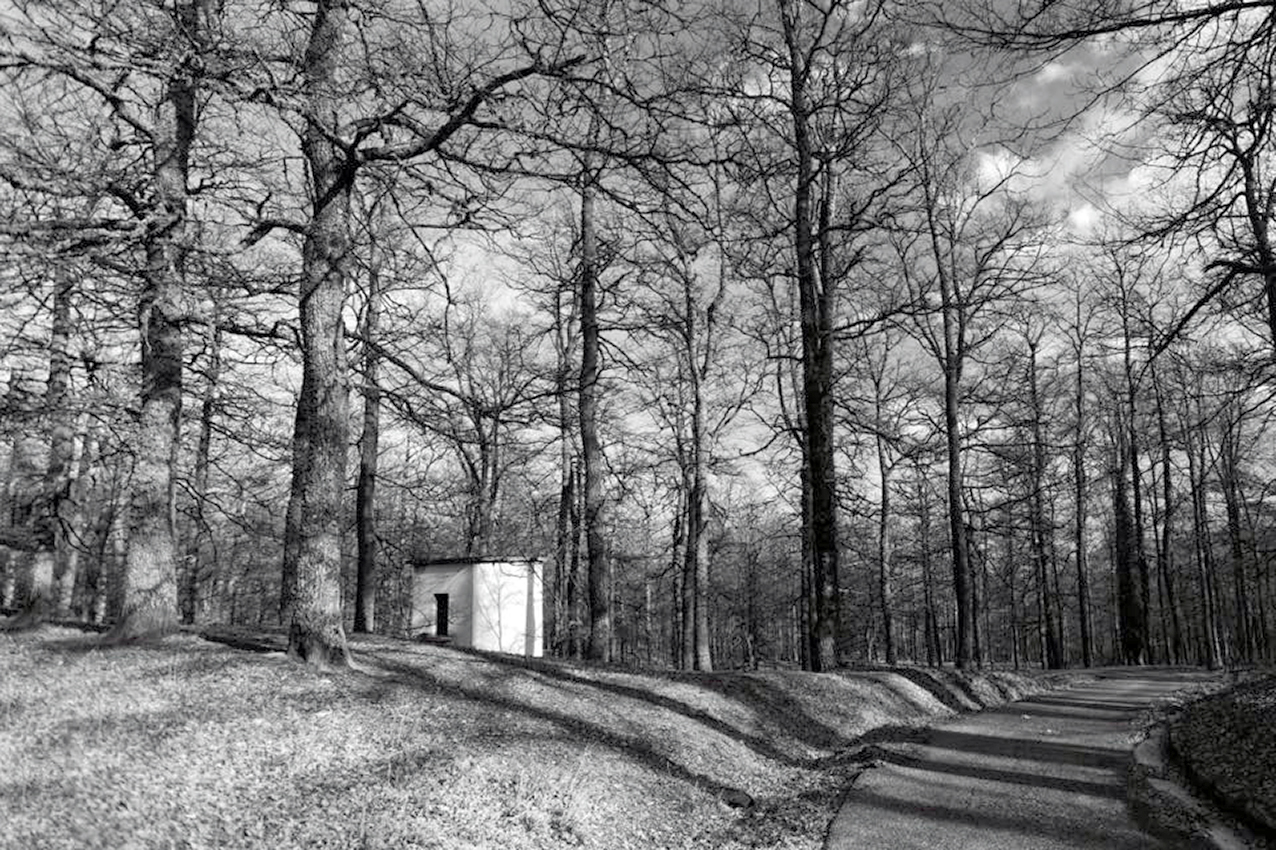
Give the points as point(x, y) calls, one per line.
point(1228, 472)
point(1165, 560)
point(315, 632)
point(1131, 614)
point(365, 595)
point(1053, 655)
point(815, 297)
point(149, 579)
point(1212, 656)
point(934, 646)
point(28, 530)
point(884, 516)
point(199, 551)
point(1080, 493)
point(598, 646)
point(563, 602)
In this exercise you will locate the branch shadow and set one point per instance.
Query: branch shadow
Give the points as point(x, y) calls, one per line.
point(1022, 748)
point(1035, 823)
point(1113, 791)
point(643, 751)
point(740, 687)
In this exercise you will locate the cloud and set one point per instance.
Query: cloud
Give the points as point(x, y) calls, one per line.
point(1053, 72)
point(1082, 219)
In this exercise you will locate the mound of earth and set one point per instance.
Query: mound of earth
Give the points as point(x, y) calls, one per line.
point(1227, 746)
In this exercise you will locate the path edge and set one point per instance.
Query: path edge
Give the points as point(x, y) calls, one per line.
point(1162, 804)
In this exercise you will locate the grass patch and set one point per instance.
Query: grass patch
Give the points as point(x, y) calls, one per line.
point(185, 743)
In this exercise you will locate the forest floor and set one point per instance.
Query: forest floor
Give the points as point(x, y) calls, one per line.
point(1225, 743)
point(187, 743)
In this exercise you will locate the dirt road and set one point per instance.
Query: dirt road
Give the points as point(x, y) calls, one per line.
point(1047, 772)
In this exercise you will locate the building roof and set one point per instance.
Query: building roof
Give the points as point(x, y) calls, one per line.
point(436, 562)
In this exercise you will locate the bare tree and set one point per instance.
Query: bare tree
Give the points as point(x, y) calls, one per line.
point(812, 132)
point(970, 247)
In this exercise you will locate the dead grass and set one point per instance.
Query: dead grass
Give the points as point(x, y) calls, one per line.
point(191, 744)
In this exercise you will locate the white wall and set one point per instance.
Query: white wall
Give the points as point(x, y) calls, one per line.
point(493, 605)
point(457, 581)
point(507, 605)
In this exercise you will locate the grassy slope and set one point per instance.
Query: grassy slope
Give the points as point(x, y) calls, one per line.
point(1227, 743)
point(188, 743)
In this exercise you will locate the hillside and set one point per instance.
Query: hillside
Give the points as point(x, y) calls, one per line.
point(191, 744)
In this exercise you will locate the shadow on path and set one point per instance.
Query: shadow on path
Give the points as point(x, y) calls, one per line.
point(1028, 748)
point(1115, 791)
point(1030, 823)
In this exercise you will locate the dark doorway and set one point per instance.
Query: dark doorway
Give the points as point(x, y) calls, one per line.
point(440, 614)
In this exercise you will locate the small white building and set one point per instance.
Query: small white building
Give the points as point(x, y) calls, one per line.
point(485, 603)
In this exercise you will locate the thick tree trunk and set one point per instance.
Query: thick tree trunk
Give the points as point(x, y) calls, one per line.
point(60, 512)
point(815, 298)
point(28, 529)
point(561, 625)
point(807, 609)
point(598, 647)
point(697, 482)
point(1143, 572)
point(315, 632)
point(884, 557)
point(149, 580)
point(1131, 614)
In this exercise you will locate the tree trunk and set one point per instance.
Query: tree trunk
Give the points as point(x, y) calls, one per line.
point(810, 642)
point(29, 530)
point(1143, 572)
point(883, 524)
point(934, 646)
point(563, 602)
point(1080, 493)
point(685, 528)
point(1203, 549)
point(1053, 652)
point(1129, 598)
point(149, 580)
point(598, 647)
point(199, 551)
point(62, 507)
point(697, 481)
point(365, 593)
point(1165, 560)
point(815, 297)
point(962, 585)
point(1228, 473)
point(315, 632)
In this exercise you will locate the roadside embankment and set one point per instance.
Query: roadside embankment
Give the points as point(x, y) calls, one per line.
point(184, 742)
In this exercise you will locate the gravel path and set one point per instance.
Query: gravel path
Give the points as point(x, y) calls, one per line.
point(1046, 772)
